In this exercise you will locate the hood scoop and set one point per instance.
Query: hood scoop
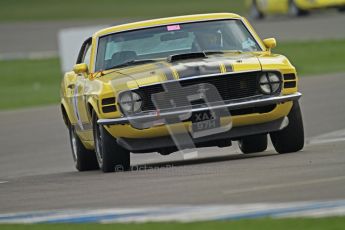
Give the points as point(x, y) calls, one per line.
point(179, 57)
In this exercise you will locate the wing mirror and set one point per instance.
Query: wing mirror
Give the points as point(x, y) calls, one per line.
point(80, 68)
point(270, 43)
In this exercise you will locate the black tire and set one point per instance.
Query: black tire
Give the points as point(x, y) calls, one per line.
point(110, 156)
point(255, 13)
point(253, 144)
point(295, 11)
point(291, 138)
point(84, 159)
point(341, 9)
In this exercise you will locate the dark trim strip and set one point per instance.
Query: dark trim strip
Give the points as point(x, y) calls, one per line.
point(290, 84)
point(289, 76)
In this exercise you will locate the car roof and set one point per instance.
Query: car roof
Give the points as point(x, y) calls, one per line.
point(165, 21)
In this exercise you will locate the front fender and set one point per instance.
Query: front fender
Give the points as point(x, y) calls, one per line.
point(67, 113)
point(92, 105)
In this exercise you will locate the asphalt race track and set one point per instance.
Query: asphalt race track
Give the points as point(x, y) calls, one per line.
point(37, 171)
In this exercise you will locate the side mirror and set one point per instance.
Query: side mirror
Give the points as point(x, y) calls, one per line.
point(270, 43)
point(80, 68)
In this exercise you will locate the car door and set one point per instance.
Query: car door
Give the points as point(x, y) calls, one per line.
point(78, 99)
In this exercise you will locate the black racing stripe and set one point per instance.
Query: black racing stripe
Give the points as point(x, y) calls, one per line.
point(166, 70)
point(200, 68)
point(228, 66)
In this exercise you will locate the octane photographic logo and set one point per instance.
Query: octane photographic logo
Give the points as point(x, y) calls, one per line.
point(201, 104)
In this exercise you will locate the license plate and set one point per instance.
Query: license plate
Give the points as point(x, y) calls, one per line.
point(206, 120)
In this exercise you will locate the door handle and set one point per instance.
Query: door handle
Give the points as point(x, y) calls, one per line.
point(71, 86)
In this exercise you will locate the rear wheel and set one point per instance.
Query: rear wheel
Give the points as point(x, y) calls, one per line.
point(291, 138)
point(253, 144)
point(342, 9)
point(295, 11)
point(110, 156)
point(255, 13)
point(84, 159)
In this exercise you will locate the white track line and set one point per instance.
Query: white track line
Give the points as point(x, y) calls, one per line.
point(286, 185)
point(3, 182)
point(186, 213)
point(335, 136)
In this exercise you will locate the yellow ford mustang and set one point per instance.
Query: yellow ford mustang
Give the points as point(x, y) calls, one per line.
point(260, 8)
point(178, 83)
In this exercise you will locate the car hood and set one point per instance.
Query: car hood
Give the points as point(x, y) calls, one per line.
point(146, 74)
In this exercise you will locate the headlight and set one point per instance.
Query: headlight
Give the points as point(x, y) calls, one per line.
point(269, 83)
point(130, 102)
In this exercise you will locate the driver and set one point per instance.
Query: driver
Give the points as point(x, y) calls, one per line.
point(208, 40)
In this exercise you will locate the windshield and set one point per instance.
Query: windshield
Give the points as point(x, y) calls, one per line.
point(117, 49)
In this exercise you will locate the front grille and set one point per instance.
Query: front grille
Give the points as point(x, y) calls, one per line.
point(260, 109)
point(232, 86)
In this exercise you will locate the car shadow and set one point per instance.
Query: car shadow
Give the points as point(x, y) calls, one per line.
point(203, 160)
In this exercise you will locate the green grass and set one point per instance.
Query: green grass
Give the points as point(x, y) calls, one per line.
point(256, 224)
point(36, 82)
point(315, 57)
point(29, 82)
point(39, 10)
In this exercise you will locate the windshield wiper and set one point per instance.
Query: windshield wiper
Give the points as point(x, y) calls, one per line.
point(210, 52)
point(234, 51)
point(132, 62)
point(193, 55)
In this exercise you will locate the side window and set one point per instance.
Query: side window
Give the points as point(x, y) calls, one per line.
point(85, 52)
point(87, 56)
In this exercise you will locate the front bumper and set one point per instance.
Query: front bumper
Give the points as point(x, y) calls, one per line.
point(143, 145)
point(230, 105)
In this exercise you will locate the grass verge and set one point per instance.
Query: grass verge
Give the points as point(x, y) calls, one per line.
point(39, 10)
point(27, 83)
point(36, 82)
point(315, 57)
point(257, 224)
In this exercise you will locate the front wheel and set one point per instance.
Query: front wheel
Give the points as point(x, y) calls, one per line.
point(253, 144)
point(291, 138)
point(111, 157)
point(342, 9)
point(84, 159)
